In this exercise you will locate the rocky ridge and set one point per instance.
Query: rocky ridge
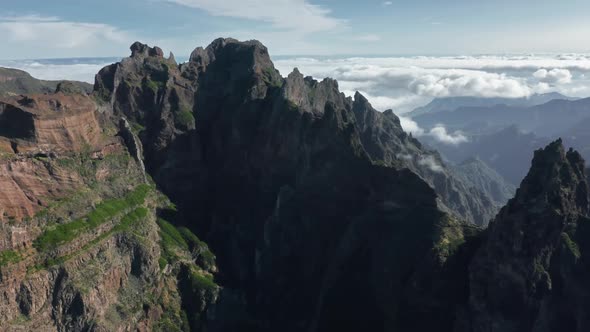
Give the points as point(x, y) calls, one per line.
point(153, 90)
point(262, 158)
point(322, 213)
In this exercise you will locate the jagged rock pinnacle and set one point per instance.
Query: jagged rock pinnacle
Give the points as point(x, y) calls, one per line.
point(140, 49)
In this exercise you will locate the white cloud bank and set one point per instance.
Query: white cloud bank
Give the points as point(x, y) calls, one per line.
point(431, 163)
point(553, 76)
point(404, 83)
point(438, 132)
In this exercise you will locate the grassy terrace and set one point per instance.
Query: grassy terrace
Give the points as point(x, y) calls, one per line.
point(126, 222)
point(105, 211)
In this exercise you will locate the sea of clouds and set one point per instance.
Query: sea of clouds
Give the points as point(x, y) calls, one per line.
point(401, 83)
point(404, 83)
point(398, 83)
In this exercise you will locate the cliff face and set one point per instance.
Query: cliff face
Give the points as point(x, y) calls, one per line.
point(55, 122)
point(289, 183)
point(531, 272)
point(385, 141)
point(228, 77)
point(83, 246)
point(34, 130)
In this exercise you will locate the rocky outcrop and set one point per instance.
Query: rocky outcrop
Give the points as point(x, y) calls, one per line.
point(164, 98)
point(531, 272)
point(282, 176)
point(35, 130)
point(133, 144)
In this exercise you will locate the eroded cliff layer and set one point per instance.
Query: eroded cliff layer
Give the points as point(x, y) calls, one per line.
point(84, 245)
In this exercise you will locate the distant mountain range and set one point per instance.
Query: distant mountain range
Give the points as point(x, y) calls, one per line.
point(506, 151)
point(453, 103)
point(548, 119)
point(14, 82)
point(502, 134)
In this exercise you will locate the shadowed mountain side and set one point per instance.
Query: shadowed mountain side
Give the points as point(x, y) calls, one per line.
point(291, 183)
point(531, 273)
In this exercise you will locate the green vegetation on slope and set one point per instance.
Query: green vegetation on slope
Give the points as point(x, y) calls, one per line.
point(123, 226)
point(181, 249)
point(181, 238)
point(571, 245)
point(185, 119)
point(8, 257)
point(103, 212)
point(200, 249)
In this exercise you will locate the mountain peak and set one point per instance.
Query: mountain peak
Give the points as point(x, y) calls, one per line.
point(361, 103)
point(218, 46)
point(556, 175)
point(358, 97)
point(295, 75)
point(537, 240)
point(222, 42)
point(143, 50)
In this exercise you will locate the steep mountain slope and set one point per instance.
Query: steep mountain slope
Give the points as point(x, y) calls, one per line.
point(305, 195)
point(15, 82)
point(232, 76)
point(477, 173)
point(385, 141)
point(80, 248)
point(531, 273)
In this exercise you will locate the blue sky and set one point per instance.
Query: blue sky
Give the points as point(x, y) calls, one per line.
point(75, 28)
